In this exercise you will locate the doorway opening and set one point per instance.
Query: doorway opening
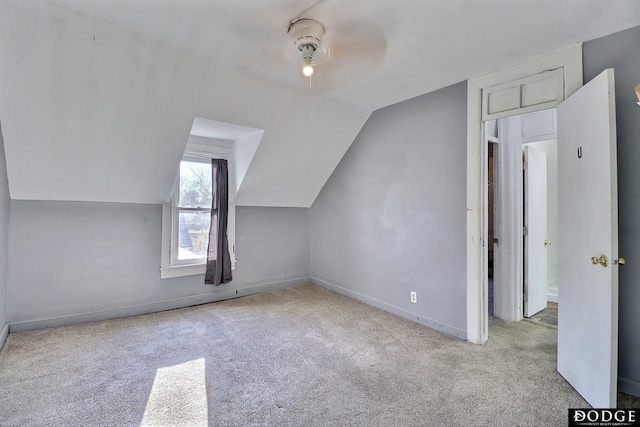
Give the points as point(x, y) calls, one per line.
point(534, 85)
point(522, 216)
point(587, 206)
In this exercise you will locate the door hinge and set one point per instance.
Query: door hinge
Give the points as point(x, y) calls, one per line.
point(482, 241)
point(525, 231)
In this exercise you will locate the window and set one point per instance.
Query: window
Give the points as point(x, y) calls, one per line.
point(187, 216)
point(192, 212)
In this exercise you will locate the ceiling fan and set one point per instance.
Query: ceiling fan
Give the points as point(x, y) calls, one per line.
point(355, 42)
point(335, 48)
point(307, 36)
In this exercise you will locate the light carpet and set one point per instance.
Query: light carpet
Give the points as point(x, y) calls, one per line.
point(301, 356)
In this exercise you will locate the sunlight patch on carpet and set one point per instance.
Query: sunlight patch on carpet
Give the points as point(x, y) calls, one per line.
point(178, 396)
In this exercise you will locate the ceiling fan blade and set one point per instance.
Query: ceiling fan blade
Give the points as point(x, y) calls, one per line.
point(358, 41)
point(355, 49)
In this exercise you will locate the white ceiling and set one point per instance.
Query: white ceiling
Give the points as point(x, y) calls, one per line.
point(98, 97)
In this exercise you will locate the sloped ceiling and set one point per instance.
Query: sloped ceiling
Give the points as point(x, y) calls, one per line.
point(98, 96)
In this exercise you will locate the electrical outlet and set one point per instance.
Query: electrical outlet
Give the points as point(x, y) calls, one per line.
point(414, 297)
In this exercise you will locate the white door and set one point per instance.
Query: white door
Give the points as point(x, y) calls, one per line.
point(535, 239)
point(588, 234)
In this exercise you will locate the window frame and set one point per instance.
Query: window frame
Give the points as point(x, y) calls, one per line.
point(175, 213)
point(170, 266)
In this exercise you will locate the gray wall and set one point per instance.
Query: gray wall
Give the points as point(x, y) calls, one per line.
point(4, 241)
point(392, 217)
point(74, 262)
point(621, 51)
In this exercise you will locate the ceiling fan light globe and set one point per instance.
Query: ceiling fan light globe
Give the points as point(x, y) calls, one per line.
point(307, 70)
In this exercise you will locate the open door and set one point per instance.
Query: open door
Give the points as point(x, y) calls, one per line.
point(535, 239)
point(588, 241)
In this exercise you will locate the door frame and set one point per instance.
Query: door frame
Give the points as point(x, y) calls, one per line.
point(570, 60)
point(509, 254)
point(508, 275)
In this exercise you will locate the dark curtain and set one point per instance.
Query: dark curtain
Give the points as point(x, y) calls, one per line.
point(218, 258)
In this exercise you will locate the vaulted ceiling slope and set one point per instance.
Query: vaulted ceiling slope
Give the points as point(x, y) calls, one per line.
point(98, 96)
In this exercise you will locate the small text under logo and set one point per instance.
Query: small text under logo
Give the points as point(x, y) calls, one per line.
point(603, 417)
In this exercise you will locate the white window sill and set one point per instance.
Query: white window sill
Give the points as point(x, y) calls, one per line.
point(181, 270)
point(186, 270)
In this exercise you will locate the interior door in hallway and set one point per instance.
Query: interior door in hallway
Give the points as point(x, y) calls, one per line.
point(535, 239)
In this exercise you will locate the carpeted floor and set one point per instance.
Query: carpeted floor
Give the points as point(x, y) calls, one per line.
point(301, 356)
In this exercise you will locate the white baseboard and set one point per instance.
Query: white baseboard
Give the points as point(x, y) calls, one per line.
point(392, 309)
point(552, 291)
point(4, 334)
point(628, 386)
point(170, 304)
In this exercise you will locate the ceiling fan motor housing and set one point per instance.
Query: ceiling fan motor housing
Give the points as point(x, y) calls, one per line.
point(307, 36)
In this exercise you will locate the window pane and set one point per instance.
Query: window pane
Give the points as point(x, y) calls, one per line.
point(193, 235)
point(195, 184)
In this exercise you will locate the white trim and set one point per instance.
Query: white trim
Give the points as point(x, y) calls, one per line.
point(217, 294)
point(552, 290)
point(182, 270)
point(571, 62)
point(477, 286)
point(508, 261)
point(165, 259)
point(189, 156)
point(554, 91)
point(414, 317)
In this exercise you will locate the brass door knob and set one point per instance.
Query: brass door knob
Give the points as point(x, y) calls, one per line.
point(620, 261)
point(602, 260)
point(547, 242)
